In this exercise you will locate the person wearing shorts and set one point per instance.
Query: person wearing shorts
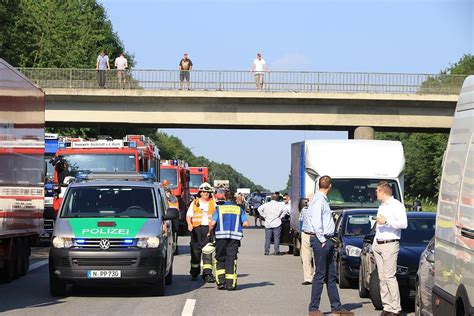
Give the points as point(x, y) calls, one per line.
point(185, 66)
point(121, 64)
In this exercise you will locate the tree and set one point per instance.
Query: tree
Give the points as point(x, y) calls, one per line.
point(450, 79)
point(56, 33)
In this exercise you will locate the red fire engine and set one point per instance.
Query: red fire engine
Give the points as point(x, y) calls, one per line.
point(198, 176)
point(176, 172)
point(133, 153)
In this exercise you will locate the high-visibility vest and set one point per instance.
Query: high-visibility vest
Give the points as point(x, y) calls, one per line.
point(197, 212)
point(229, 224)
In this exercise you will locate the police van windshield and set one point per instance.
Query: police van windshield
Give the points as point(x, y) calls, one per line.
point(195, 180)
point(71, 164)
point(171, 175)
point(109, 201)
point(357, 192)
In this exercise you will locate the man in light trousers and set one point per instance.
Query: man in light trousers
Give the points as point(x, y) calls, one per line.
point(306, 249)
point(391, 219)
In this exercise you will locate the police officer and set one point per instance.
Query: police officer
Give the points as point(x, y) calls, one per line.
point(228, 221)
point(198, 217)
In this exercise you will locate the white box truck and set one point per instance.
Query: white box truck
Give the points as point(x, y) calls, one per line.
point(453, 293)
point(355, 166)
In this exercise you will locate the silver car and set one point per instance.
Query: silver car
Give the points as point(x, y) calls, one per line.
point(425, 281)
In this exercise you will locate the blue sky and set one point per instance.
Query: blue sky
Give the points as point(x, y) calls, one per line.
point(408, 36)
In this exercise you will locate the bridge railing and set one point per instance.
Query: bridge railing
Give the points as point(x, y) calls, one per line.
point(274, 81)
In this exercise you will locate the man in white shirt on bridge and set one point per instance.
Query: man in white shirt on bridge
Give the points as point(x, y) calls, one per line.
point(391, 219)
point(259, 67)
point(272, 212)
point(121, 64)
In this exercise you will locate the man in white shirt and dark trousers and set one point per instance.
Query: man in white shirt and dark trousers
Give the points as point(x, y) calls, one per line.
point(391, 219)
point(272, 213)
point(319, 224)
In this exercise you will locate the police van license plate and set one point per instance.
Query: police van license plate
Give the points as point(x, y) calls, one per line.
point(104, 274)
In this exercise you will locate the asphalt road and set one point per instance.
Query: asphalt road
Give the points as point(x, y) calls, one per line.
point(267, 285)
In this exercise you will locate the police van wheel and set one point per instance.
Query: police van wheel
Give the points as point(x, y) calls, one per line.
point(57, 287)
point(158, 289)
point(169, 276)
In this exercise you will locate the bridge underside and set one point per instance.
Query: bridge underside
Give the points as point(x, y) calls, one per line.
point(248, 110)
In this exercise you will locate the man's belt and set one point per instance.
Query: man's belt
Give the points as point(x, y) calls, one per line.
point(386, 241)
point(311, 234)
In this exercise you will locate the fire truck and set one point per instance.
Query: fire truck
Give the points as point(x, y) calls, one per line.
point(21, 170)
point(198, 176)
point(133, 153)
point(177, 174)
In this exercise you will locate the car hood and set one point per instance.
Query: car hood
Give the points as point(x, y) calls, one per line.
point(353, 241)
point(409, 255)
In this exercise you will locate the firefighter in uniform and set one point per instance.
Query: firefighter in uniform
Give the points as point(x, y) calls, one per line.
point(198, 217)
point(228, 221)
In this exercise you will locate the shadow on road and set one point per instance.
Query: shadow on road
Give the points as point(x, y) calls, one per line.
point(181, 284)
point(183, 250)
point(26, 292)
point(252, 285)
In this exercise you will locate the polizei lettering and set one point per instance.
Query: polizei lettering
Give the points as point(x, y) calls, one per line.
point(105, 231)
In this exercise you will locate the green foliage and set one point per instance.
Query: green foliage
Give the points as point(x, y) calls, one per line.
point(446, 82)
point(56, 33)
point(424, 154)
point(171, 147)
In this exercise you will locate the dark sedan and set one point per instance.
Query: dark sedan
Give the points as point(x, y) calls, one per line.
point(351, 228)
point(414, 239)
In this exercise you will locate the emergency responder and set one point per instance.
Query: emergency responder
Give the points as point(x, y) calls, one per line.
point(172, 202)
point(198, 217)
point(228, 221)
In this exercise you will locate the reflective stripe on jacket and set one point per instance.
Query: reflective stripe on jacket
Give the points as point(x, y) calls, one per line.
point(197, 212)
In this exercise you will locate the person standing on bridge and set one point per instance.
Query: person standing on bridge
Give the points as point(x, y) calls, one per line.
point(102, 65)
point(228, 221)
point(121, 64)
point(321, 228)
point(185, 67)
point(259, 67)
point(198, 218)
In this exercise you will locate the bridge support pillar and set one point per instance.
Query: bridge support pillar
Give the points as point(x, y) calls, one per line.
point(362, 132)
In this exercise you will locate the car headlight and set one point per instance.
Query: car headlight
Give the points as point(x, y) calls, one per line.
point(62, 242)
point(353, 251)
point(402, 270)
point(148, 242)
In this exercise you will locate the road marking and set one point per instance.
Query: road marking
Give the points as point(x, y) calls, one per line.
point(38, 264)
point(188, 307)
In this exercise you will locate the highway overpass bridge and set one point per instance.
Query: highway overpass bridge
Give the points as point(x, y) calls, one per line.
point(227, 99)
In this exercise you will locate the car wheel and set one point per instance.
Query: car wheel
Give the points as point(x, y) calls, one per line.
point(374, 290)
point(169, 276)
point(363, 292)
point(418, 304)
point(343, 281)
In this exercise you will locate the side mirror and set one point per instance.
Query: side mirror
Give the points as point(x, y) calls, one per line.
point(302, 204)
point(369, 239)
point(171, 213)
point(430, 258)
